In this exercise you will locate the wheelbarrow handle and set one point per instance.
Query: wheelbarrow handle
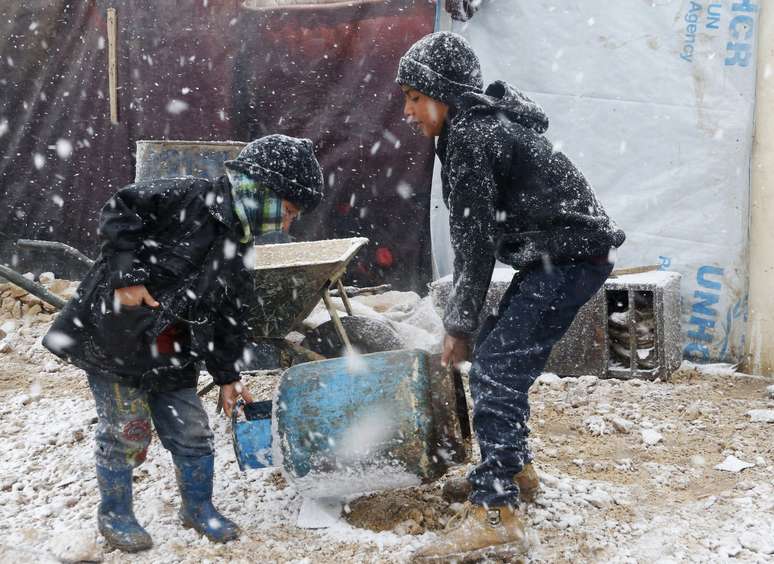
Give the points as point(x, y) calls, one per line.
point(235, 412)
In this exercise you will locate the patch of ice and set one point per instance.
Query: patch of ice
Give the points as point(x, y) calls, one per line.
point(621, 425)
point(761, 415)
point(756, 542)
point(75, 546)
point(599, 498)
point(596, 425)
point(733, 464)
point(319, 513)
point(711, 370)
point(651, 437)
point(548, 379)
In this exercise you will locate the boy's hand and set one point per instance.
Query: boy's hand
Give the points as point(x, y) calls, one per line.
point(134, 296)
point(229, 393)
point(455, 350)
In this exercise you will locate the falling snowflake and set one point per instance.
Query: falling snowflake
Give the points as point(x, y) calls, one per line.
point(405, 190)
point(229, 249)
point(64, 149)
point(176, 107)
point(58, 341)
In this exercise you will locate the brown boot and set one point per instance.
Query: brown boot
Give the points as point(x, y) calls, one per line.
point(479, 533)
point(528, 483)
point(457, 490)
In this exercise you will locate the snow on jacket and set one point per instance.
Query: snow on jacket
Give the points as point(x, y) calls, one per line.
point(511, 197)
point(180, 238)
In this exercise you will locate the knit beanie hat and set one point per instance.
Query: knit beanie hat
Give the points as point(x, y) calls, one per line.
point(441, 65)
point(285, 165)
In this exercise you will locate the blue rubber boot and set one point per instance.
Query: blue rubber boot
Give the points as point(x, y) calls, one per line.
point(194, 477)
point(115, 517)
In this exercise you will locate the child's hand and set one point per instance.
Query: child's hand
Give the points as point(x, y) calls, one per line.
point(455, 350)
point(134, 296)
point(229, 393)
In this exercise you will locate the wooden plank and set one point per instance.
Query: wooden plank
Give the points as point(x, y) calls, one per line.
point(112, 29)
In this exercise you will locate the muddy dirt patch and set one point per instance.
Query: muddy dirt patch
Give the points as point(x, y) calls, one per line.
point(411, 511)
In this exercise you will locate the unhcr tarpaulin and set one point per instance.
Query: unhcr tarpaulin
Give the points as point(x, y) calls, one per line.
point(654, 101)
point(213, 70)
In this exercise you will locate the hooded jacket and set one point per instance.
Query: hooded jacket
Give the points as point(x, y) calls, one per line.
point(511, 197)
point(180, 238)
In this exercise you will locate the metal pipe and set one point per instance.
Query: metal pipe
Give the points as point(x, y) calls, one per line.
point(32, 287)
point(57, 246)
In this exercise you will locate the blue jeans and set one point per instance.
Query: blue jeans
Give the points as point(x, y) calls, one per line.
point(511, 351)
point(124, 427)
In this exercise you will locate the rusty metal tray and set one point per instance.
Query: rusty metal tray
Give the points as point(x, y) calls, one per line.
point(291, 278)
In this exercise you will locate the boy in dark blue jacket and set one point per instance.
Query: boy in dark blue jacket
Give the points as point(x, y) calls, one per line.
point(511, 197)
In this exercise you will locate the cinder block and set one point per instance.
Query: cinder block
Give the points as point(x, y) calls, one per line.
point(643, 329)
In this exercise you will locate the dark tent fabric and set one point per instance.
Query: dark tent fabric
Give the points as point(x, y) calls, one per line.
point(213, 70)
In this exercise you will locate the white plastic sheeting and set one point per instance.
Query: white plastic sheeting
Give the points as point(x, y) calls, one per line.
point(654, 101)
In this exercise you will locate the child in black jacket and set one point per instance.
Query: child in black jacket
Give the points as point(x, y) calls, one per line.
point(173, 287)
point(511, 197)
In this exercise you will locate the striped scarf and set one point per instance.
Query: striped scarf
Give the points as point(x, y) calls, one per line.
point(258, 208)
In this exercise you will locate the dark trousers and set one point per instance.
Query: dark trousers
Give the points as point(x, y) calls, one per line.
point(125, 414)
point(511, 351)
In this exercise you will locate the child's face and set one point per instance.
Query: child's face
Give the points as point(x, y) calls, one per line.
point(424, 112)
point(290, 211)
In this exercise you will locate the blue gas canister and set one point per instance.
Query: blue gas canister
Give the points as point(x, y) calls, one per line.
point(379, 421)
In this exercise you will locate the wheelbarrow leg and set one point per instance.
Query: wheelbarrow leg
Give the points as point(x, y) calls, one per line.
point(205, 390)
point(219, 405)
point(344, 297)
point(301, 354)
point(336, 321)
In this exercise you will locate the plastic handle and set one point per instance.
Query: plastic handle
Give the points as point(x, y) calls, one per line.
point(235, 412)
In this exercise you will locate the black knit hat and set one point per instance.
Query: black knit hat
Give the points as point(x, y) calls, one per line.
point(441, 65)
point(285, 165)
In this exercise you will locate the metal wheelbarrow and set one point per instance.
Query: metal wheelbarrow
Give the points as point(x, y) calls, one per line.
point(289, 281)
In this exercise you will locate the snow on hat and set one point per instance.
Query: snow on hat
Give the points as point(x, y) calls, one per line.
point(285, 165)
point(441, 65)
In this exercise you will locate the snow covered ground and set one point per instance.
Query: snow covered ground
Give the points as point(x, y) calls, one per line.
point(628, 471)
